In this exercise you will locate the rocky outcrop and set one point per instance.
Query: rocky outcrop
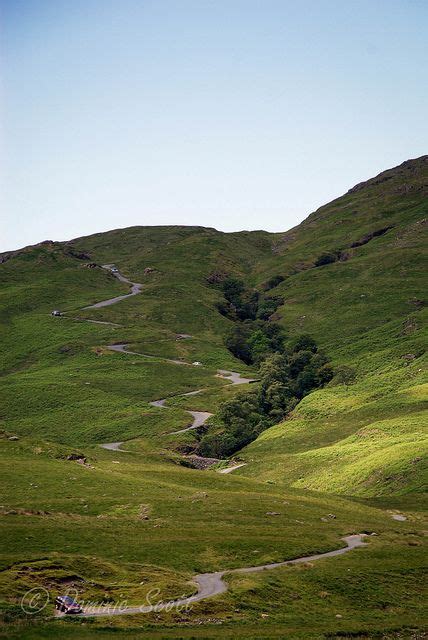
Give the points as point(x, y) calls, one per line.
point(406, 170)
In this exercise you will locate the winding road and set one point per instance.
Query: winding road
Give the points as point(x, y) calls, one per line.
point(213, 584)
point(230, 469)
point(135, 289)
point(208, 584)
point(198, 417)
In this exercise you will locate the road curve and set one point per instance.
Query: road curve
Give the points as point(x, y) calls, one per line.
point(199, 417)
point(122, 348)
point(135, 289)
point(233, 377)
point(208, 584)
point(113, 446)
point(213, 584)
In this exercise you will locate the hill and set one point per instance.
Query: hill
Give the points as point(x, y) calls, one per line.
point(118, 522)
point(355, 278)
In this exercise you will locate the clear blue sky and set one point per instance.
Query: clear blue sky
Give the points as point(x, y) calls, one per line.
point(236, 114)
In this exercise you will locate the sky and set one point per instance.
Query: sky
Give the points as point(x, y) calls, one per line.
point(233, 114)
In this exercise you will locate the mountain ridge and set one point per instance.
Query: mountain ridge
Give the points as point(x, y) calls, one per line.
point(400, 171)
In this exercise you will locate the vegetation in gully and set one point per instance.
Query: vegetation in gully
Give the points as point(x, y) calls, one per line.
point(329, 320)
point(286, 376)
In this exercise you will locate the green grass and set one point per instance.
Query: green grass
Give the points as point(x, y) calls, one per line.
point(366, 438)
point(354, 449)
point(92, 529)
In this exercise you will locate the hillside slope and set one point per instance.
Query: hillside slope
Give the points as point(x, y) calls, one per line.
point(129, 520)
point(355, 278)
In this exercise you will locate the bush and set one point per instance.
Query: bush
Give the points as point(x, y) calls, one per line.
point(268, 306)
point(285, 379)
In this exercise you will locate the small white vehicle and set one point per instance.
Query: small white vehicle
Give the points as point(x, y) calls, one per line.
point(197, 364)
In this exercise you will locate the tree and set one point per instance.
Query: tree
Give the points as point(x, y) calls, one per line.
point(285, 378)
point(268, 306)
point(303, 343)
point(259, 345)
point(237, 343)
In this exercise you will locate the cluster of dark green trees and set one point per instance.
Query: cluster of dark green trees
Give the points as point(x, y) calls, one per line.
point(286, 376)
point(253, 340)
point(252, 337)
point(289, 369)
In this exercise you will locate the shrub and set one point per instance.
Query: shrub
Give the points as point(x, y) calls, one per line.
point(285, 379)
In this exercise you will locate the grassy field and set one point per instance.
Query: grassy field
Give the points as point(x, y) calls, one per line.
point(124, 523)
point(134, 522)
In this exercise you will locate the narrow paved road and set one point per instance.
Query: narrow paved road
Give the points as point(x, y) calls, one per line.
point(230, 469)
point(135, 289)
point(199, 417)
point(209, 584)
point(233, 377)
point(213, 584)
point(122, 348)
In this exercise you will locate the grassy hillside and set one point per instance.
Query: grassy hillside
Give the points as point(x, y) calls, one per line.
point(364, 434)
point(352, 275)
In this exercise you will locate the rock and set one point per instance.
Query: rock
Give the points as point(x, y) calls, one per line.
point(409, 356)
point(416, 302)
point(332, 516)
point(13, 438)
point(216, 276)
point(76, 456)
point(78, 254)
point(399, 517)
point(84, 462)
point(148, 270)
point(409, 326)
point(199, 462)
point(65, 349)
point(144, 512)
point(272, 513)
point(80, 459)
point(374, 234)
